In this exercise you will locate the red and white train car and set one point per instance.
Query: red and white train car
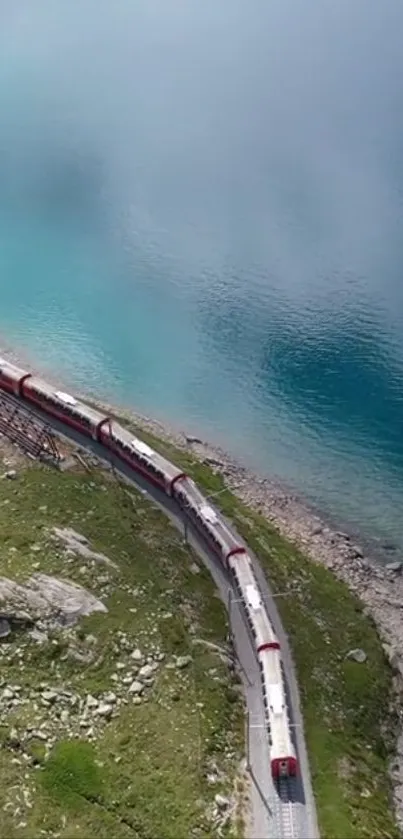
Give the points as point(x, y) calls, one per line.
point(282, 752)
point(91, 422)
point(143, 459)
point(207, 520)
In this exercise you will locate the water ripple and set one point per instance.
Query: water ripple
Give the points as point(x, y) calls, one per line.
point(203, 218)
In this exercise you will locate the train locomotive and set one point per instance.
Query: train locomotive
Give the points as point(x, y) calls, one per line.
point(205, 519)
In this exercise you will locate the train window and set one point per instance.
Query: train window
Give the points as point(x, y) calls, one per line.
point(39, 394)
point(80, 417)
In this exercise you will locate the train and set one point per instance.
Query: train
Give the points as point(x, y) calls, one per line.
point(207, 521)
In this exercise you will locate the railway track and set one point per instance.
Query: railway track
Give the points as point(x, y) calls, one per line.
point(288, 815)
point(279, 806)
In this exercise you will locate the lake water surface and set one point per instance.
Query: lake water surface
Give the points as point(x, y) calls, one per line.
point(201, 216)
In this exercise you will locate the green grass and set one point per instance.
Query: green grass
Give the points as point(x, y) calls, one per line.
point(349, 728)
point(143, 772)
point(72, 774)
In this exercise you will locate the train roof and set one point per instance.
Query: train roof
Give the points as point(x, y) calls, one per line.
point(276, 698)
point(144, 450)
point(264, 631)
point(142, 447)
point(276, 708)
point(210, 515)
point(67, 399)
point(42, 386)
point(7, 366)
point(253, 597)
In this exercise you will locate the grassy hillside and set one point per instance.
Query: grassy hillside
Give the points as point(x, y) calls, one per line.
point(119, 725)
point(348, 727)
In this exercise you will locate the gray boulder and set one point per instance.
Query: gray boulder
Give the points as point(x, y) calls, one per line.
point(357, 655)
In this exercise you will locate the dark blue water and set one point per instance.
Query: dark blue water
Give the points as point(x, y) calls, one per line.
point(201, 215)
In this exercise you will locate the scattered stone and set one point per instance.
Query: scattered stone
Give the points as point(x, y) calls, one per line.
point(43, 595)
point(5, 628)
point(222, 802)
point(213, 461)
point(137, 655)
point(136, 687)
point(357, 655)
point(183, 661)
point(13, 737)
point(38, 636)
point(91, 639)
point(110, 698)
point(79, 544)
point(91, 702)
point(191, 439)
point(396, 567)
point(11, 474)
point(147, 671)
point(39, 735)
point(104, 710)
point(7, 693)
point(49, 695)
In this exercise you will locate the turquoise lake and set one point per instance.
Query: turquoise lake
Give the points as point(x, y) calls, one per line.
point(201, 215)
